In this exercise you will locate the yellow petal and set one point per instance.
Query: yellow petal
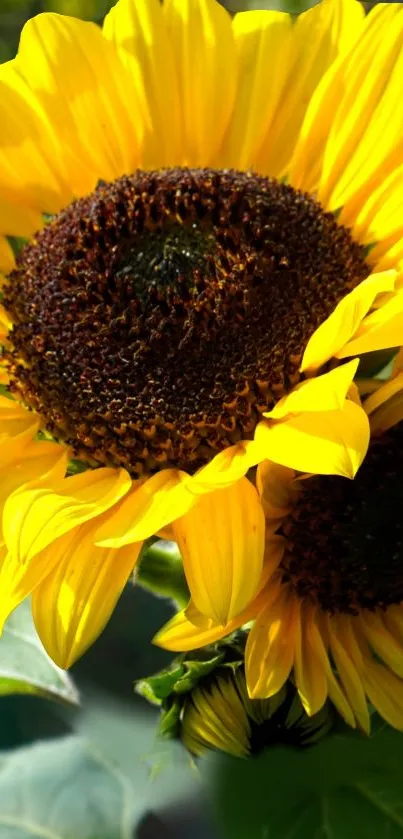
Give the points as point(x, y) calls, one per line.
point(39, 460)
point(180, 634)
point(348, 674)
point(317, 37)
point(337, 330)
point(323, 393)
point(354, 121)
point(263, 52)
point(385, 691)
point(269, 653)
point(19, 579)
point(18, 427)
point(385, 406)
point(335, 692)
point(225, 468)
point(310, 678)
point(383, 393)
point(72, 605)
point(221, 540)
point(325, 443)
point(147, 509)
point(393, 620)
point(380, 330)
point(7, 261)
point(32, 175)
point(277, 488)
point(378, 219)
point(204, 50)
point(385, 645)
point(34, 518)
point(138, 31)
point(84, 89)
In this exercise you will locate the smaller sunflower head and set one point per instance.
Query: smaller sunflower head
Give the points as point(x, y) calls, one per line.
point(329, 610)
point(205, 703)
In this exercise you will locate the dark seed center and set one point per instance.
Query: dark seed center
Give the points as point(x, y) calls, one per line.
point(345, 538)
point(156, 319)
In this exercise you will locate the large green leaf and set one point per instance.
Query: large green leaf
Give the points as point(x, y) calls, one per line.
point(96, 784)
point(293, 7)
point(63, 789)
point(344, 788)
point(24, 665)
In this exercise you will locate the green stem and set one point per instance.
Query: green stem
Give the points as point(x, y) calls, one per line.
point(161, 572)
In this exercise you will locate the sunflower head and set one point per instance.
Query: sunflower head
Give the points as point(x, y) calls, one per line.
point(156, 319)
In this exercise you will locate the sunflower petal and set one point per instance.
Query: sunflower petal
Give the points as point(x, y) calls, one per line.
point(382, 329)
point(323, 393)
point(385, 691)
point(7, 261)
point(40, 460)
point(72, 605)
point(18, 427)
point(147, 509)
point(225, 468)
point(83, 88)
point(353, 124)
point(269, 653)
point(138, 31)
point(316, 39)
point(385, 645)
point(348, 674)
point(263, 48)
point(35, 517)
point(310, 678)
point(335, 692)
point(204, 51)
point(181, 635)
point(28, 154)
point(221, 540)
point(325, 443)
point(378, 218)
point(336, 331)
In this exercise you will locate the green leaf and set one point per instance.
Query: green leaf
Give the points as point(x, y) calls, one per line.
point(343, 788)
point(293, 7)
point(25, 667)
point(63, 789)
point(96, 784)
point(196, 670)
point(159, 687)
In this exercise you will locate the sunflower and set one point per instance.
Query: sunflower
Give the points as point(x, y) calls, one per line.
point(330, 608)
point(218, 714)
point(211, 214)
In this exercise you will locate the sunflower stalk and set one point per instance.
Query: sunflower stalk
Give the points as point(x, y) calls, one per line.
point(161, 572)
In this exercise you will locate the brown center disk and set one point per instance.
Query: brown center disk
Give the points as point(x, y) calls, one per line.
point(155, 319)
point(345, 538)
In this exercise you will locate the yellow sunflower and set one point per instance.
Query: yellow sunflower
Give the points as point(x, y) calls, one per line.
point(213, 209)
point(330, 608)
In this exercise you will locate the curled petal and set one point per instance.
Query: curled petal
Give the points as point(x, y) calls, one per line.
point(325, 443)
point(323, 393)
point(331, 337)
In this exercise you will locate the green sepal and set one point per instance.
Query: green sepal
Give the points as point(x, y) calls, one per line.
point(169, 724)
